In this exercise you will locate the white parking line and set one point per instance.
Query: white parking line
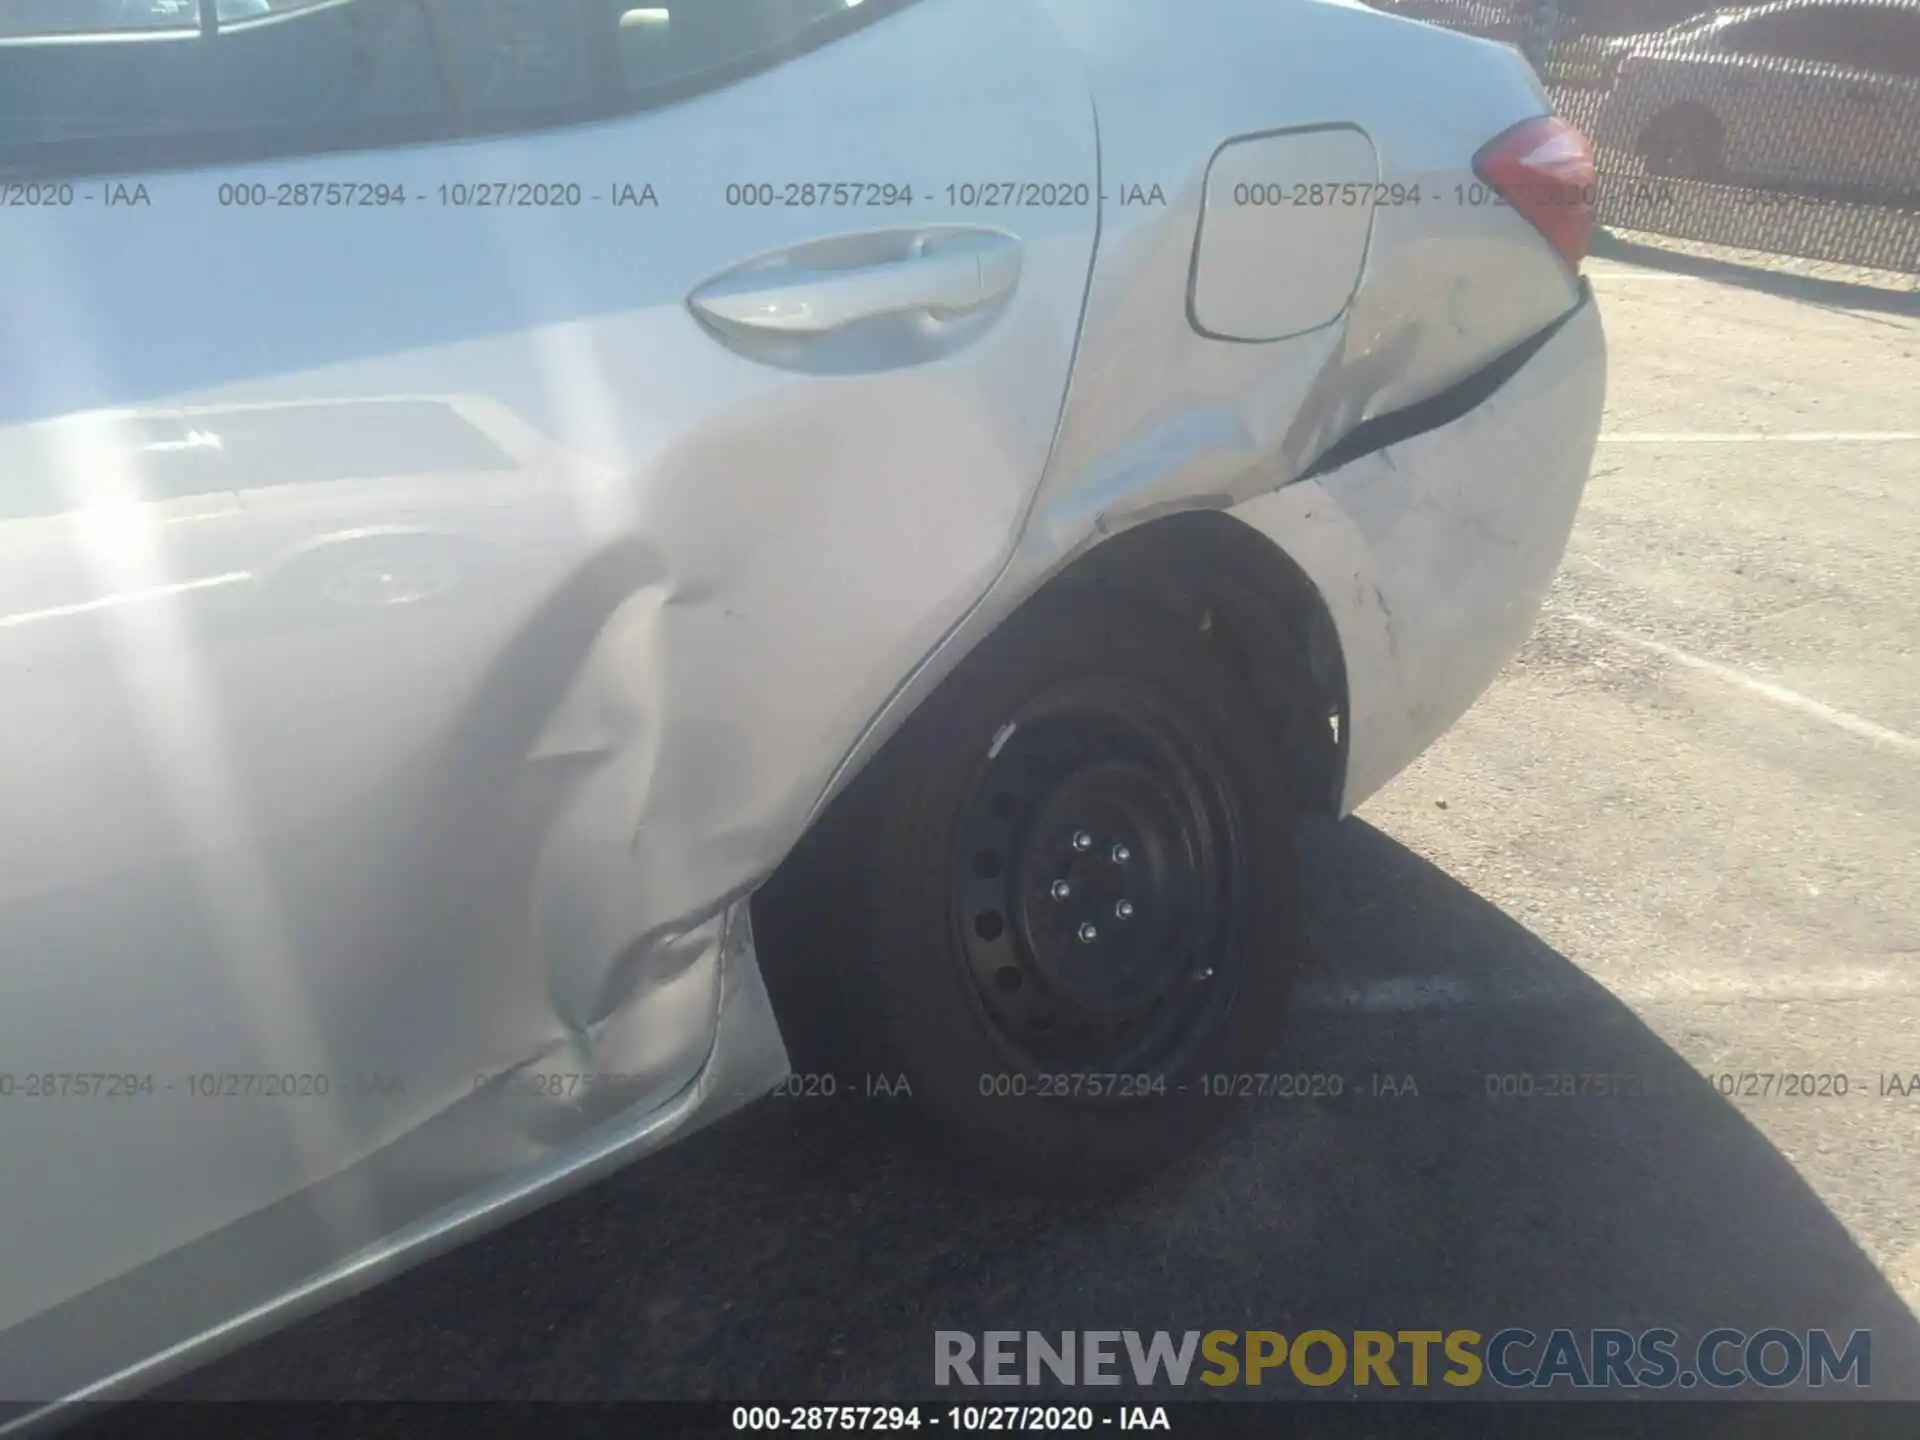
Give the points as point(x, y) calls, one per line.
point(1766, 689)
point(1759, 437)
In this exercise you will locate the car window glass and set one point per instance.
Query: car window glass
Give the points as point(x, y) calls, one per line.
point(273, 66)
point(1884, 40)
point(678, 39)
point(229, 11)
point(508, 57)
point(20, 18)
point(1780, 35)
point(1813, 33)
point(1743, 37)
point(351, 61)
point(139, 458)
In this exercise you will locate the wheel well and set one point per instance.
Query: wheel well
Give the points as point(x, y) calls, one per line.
point(1258, 604)
point(1268, 616)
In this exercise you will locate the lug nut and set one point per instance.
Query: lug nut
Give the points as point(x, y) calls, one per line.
point(1082, 840)
point(1124, 909)
point(1060, 890)
point(1121, 855)
point(1088, 934)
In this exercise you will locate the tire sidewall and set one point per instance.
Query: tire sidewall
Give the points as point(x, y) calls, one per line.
point(927, 1019)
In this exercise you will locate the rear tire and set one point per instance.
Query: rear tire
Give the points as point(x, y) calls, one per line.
point(1076, 894)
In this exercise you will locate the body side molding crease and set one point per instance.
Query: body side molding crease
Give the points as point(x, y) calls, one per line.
point(1452, 403)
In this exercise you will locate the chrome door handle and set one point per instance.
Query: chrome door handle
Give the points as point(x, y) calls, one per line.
point(949, 276)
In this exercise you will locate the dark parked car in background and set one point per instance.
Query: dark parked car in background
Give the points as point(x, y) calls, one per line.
point(1612, 18)
point(1504, 19)
point(1798, 94)
point(1790, 127)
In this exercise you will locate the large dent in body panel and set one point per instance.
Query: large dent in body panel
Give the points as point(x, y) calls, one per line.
point(484, 1160)
point(1201, 418)
point(705, 715)
point(1446, 284)
point(1434, 555)
point(1160, 418)
point(1158, 414)
point(651, 1038)
point(813, 539)
point(675, 801)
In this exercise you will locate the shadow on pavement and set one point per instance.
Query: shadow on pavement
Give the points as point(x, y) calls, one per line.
point(1835, 294)
point(784, 1256)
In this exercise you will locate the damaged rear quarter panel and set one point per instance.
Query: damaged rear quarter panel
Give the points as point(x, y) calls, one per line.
point(1161, 417)
point(261, 845)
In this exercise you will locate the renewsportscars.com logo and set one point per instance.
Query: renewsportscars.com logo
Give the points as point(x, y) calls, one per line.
point(1657, 1359)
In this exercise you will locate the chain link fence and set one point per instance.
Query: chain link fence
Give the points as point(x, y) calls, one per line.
point(1791, 127)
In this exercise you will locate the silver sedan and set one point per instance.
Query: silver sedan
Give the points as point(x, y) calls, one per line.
point(495, 498)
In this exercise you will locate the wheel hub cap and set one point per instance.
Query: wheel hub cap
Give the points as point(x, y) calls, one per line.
point(1111, 944)
point(1092, 879)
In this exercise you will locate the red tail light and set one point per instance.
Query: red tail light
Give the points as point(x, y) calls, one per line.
point(1544, 169)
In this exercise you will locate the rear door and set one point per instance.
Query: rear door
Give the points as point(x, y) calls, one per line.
point(785, 292)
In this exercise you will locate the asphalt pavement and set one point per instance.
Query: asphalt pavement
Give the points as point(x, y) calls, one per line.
point(1676, 846)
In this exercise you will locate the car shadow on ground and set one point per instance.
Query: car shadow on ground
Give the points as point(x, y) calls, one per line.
point(1816, 290)
point(786, 1255)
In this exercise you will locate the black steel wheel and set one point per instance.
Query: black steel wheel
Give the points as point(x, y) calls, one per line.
point(1074, 893)
point(1093, 872)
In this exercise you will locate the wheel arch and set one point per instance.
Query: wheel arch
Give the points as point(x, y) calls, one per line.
point(1267, 613)
point(1201, 563)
